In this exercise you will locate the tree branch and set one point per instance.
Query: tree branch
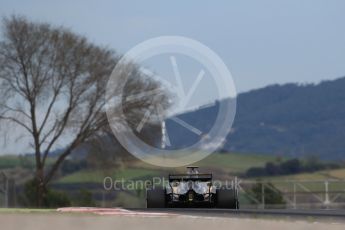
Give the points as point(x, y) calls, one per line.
point(17, 122)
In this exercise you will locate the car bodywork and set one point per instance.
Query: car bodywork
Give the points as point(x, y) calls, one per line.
point(192, 189)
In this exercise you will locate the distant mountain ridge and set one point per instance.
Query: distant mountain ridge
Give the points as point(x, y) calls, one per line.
point(289, 120)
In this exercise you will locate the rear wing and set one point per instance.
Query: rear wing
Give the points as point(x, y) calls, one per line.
point(193, 177)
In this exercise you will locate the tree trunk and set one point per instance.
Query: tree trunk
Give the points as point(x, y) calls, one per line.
point(41, 188)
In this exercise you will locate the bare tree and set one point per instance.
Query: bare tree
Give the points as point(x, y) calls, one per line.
point(52, 84)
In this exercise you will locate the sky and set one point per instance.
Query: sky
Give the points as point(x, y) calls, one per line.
point(261, 42)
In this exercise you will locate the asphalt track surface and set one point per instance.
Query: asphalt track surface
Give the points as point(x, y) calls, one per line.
point(172, 219)
point(293, 213)
point(190, 219)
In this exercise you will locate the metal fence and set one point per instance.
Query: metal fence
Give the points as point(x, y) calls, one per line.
point(253, 194)
point(292, 194)
point(3, 190)
point(7, 191)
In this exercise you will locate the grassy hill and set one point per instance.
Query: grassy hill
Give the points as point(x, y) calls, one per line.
point(221, 165)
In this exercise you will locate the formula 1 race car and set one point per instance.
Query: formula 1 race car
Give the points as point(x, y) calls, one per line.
point(192, 190)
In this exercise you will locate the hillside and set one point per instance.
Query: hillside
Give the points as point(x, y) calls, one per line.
point(286, 120)
point(221, 165)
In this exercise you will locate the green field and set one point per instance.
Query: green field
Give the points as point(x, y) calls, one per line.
point(97, 176)
point(219, 164)
point(26, 210)
point(234, 162)
point(222, 165)
point(10, 161)
point(27, 161)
